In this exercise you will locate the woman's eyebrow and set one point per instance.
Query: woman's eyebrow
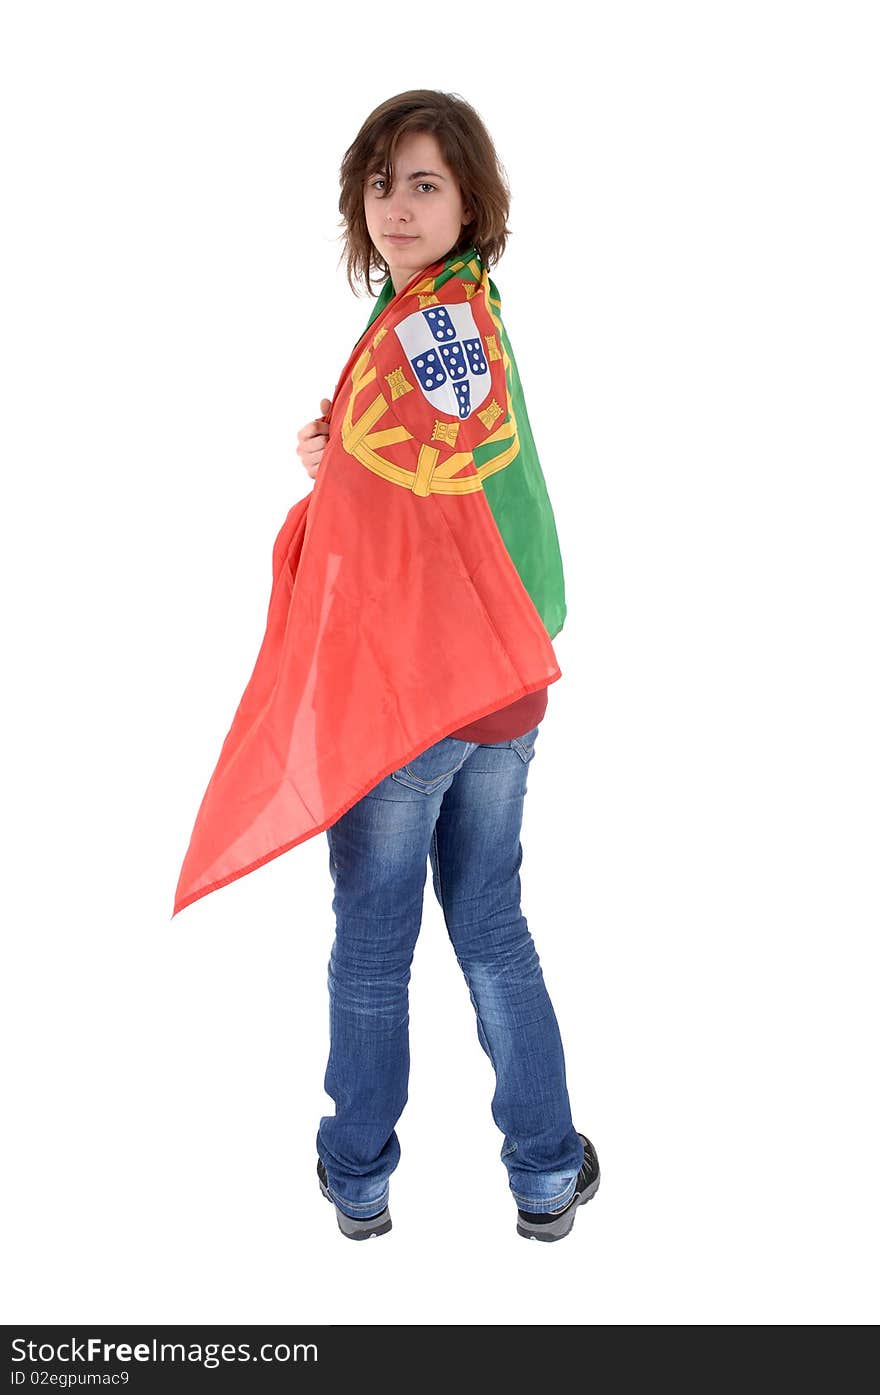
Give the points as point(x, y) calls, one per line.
point(417, 174)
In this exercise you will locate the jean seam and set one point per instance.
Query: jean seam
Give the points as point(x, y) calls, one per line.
point(524, 750)
point(342, 1202)
point(437, 865)
point(482, 1026)
point(460, 965)
point(528, 1202)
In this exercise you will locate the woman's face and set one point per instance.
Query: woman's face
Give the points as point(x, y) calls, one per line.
point(425, 203)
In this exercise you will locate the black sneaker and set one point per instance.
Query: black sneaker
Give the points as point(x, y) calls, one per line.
point(553, 1225)
point(360, 1229)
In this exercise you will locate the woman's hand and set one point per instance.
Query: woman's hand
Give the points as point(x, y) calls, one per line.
point(312, 440)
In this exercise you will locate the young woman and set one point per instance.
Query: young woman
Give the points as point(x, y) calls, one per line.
point(420, 183)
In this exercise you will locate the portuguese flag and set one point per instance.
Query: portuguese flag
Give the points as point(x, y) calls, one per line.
point(416, 588)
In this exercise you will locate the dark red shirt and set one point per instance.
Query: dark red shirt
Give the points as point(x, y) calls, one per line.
point(514, 720)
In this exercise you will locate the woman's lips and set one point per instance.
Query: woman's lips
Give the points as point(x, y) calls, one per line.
point(395, 237)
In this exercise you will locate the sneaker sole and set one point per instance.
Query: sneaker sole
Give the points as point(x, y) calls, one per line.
point(358, 1230)
point(560, 1227)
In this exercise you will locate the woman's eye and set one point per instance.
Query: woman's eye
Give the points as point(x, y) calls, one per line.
point(423, 185)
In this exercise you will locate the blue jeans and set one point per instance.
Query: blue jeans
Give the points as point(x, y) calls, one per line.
point(461, 805)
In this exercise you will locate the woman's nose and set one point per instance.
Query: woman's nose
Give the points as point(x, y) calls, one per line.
point(397, 208)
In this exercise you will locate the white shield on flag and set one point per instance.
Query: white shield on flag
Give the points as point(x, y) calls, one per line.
point(448, 358)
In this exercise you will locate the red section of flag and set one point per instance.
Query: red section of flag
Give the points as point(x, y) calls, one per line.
point(394, 619)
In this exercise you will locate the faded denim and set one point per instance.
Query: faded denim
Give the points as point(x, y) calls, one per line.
point(459, 805)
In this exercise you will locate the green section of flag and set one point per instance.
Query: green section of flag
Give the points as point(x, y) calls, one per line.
point(517, 493)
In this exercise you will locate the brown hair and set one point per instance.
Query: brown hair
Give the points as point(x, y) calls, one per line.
point(467, 149)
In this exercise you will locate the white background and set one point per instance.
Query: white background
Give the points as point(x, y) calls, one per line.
point(691, 290)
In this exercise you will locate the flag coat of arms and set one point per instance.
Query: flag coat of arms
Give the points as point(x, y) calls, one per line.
point(415, 589)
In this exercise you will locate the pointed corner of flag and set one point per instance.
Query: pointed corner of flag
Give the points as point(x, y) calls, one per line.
point(181, 899)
